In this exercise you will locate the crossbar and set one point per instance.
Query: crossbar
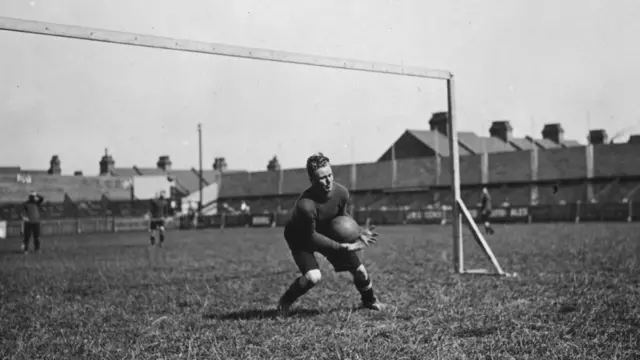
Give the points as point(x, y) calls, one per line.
point(182, 45)
point(167, 43)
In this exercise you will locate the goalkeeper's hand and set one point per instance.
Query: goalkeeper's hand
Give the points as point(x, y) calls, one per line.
point(365, 239)
point(369, 231)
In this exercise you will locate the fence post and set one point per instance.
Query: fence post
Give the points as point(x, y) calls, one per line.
point(577, 219)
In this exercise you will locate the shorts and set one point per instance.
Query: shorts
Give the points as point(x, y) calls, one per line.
point(340, 260)
point(155, 224)
point(485, 215)
point(306, 260)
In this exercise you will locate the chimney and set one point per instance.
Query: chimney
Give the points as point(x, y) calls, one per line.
point(553, 132)
point(501, 130)
point(634, 139)
point(54, 166)
point(164, 163)
point(439, 122)
point(220, 164)
point(598, 137)
point(107, 164)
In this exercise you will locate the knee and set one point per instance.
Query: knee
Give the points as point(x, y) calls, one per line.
point(360, 274)
point(312, 277)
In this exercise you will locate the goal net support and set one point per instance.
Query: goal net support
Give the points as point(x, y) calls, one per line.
point(150, 41)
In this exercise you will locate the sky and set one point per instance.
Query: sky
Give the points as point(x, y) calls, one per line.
point(531, 62)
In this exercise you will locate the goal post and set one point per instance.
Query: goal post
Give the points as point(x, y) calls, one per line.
point(459, 209)
point(157, 42)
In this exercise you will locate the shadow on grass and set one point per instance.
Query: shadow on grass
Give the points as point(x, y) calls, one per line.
point(256, 314)
point(203, 279)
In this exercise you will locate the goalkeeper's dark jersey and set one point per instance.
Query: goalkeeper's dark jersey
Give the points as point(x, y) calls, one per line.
point(311, 218)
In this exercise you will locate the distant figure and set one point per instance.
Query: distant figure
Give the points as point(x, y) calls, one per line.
point(245, 210)
point(31, 210)
point(191, 216)
point(159, 211)
point(486, 211)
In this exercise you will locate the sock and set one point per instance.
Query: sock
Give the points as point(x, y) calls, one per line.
point(295, 291)
point(153, 240)
point(161, 238)
point(365, 288)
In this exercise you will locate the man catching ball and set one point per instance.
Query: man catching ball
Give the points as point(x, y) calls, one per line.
point(305, 235)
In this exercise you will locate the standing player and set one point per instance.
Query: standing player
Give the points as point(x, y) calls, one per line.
point(316, 207)
point(159, 212)
point(31, 211)
point(486, 211)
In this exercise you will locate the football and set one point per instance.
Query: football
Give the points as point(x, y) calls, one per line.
point(344, 229)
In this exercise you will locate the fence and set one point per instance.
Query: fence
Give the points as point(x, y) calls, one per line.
point(577, 212)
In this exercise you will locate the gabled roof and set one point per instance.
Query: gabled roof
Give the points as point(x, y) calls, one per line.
point(189, 179)
point(522, 144)
point(479, 144)
point(436, 141)
point(149, 171)
point(528, 143)
point(125, 172)
point(570, 143)
point(544, 143)
point(469, 142)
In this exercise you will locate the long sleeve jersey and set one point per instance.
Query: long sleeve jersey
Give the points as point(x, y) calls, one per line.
point(312, 216)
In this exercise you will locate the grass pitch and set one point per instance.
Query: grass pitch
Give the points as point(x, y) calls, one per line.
point(212, 295)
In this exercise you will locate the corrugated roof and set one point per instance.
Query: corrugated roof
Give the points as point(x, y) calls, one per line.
point(436, 141)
